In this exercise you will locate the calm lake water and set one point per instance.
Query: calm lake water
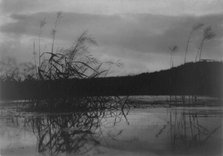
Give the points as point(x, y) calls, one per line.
point(146, 130)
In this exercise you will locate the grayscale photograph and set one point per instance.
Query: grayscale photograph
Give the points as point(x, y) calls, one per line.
point(111, 77)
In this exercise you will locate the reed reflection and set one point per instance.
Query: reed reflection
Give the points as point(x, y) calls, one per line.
point(189, 129)
point(70, 132)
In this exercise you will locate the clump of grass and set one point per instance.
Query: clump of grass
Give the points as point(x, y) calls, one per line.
point(74, 62)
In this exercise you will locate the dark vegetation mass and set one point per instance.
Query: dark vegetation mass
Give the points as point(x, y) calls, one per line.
point(201, 78)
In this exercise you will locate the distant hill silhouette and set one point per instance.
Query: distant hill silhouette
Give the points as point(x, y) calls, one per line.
point(201, 78)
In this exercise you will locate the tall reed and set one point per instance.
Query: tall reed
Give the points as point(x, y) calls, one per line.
point(194, 28)
point(208, 34)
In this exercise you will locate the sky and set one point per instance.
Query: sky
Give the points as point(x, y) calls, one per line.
point(137, 33)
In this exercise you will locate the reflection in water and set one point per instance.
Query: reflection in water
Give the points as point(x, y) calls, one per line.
point(142, 131)
point(186, 130)
point(68, 133)
point(75, 132)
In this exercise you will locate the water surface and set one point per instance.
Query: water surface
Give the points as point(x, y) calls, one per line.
point(148, 130)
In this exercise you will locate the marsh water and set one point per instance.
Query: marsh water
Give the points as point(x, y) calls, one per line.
point(145, 129)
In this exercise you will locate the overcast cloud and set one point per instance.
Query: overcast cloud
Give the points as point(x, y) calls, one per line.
point(138, 35)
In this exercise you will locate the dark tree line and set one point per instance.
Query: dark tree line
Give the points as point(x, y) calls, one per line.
point(201, 78)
